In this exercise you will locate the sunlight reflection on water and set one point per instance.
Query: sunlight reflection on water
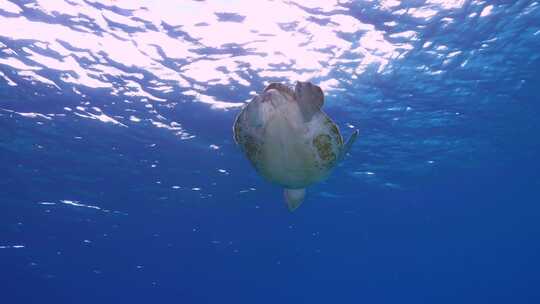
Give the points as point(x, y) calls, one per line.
point(186, 45)
point(152, 49)
point(385, 63)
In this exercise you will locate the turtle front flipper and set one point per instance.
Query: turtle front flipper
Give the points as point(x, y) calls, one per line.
point(347, 146)
point(310, 99)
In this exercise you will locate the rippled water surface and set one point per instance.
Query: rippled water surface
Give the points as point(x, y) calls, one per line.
point(121, 181)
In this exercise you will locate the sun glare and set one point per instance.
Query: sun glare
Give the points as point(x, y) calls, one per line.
point(209, 42)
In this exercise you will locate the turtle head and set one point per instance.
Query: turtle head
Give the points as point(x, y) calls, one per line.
point(276, 94)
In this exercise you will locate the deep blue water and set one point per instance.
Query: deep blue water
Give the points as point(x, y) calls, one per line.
point(121, 182)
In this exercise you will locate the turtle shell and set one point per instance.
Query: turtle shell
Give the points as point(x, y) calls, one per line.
point(286, 136)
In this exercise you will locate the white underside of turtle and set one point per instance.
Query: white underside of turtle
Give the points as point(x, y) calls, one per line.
point(289, 139)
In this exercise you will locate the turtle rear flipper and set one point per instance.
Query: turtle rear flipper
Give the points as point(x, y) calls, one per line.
point(294, 197)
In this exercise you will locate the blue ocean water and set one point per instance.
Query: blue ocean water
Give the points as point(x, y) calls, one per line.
point(121, 181)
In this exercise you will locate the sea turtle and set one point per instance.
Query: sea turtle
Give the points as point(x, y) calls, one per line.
point(288, 138)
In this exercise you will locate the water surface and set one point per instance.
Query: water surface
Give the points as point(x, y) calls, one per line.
point(121, 181)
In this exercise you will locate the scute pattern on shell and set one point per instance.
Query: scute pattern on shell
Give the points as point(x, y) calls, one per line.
point(248, 142)
point(333, 130)
point(325, 151)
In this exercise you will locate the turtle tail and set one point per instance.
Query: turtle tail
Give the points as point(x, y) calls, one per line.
point(294, 197)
